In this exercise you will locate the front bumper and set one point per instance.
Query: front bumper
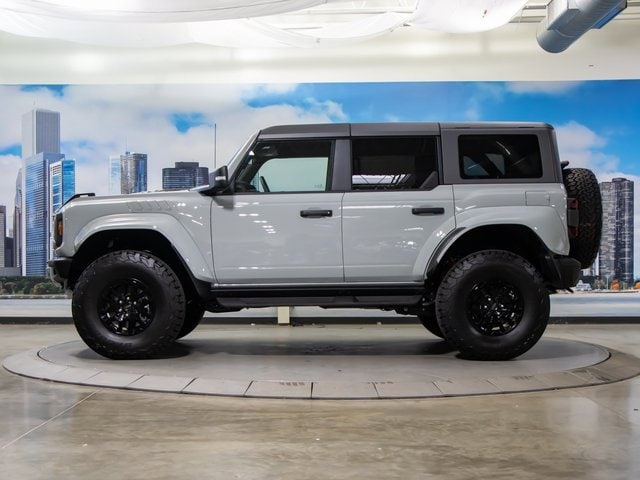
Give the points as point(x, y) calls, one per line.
point(59, 269)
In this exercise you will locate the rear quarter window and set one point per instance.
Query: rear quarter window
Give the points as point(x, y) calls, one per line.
point(499, 156)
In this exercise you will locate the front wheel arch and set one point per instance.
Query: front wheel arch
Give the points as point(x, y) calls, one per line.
point(143, 240)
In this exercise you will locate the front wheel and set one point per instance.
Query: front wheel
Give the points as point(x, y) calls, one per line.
point(492, 305)
point(128, 305)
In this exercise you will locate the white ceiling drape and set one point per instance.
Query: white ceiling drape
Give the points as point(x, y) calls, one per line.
point(157, 11)
point(242, 23)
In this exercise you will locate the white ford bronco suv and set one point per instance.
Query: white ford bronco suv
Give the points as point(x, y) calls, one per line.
point(468, 226)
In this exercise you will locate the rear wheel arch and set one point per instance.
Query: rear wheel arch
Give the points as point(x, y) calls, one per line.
point(517, 239)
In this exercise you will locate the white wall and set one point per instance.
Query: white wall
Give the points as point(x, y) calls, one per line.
point(409, 54)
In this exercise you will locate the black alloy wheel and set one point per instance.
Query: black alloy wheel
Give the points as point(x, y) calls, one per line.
point(495, 308)
point(125, 307)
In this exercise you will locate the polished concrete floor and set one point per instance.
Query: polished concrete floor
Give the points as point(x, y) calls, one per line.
point(52, 430)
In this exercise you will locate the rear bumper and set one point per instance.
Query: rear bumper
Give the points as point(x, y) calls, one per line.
point(561, 272)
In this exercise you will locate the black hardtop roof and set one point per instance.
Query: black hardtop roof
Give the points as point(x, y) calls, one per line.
point(391, 128)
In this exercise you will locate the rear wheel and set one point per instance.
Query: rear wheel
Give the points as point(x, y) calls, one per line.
point(492, 305)
point(128, 305)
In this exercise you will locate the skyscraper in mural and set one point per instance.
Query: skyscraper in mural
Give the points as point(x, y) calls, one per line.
point(17, 223)
point(40, 132)
point(115, 175)
point(184, 175)
point(62, 186)
point(133, 172)
point(3, 235)
point(40, 148)
point(616, 247)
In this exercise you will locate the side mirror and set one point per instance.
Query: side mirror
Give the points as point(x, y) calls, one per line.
point(219, 179)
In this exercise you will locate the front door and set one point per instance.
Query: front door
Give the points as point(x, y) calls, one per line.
point(281, 224)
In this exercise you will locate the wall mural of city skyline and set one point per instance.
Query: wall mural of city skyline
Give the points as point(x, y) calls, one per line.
point(596, 121)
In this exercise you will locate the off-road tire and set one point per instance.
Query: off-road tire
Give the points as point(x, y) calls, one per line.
point(128, 305)
point(582, 185)
point(492, 305)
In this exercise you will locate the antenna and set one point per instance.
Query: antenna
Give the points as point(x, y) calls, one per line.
point(215, 144)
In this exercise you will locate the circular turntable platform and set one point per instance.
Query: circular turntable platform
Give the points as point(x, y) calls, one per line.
point(336, 362)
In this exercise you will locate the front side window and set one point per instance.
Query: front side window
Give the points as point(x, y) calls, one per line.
point(393, 163)
point(286, 166)
point(499, 156)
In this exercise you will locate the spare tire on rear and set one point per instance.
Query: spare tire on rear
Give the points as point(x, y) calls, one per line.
point(582, 185)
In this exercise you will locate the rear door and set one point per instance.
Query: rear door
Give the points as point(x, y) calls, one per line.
point(397, 211)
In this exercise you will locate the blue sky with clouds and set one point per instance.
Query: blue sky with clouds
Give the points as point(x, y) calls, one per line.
point(608, 109)
point(596, 121)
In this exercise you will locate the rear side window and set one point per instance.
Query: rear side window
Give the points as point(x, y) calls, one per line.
point(394, 163)
point(499, 156)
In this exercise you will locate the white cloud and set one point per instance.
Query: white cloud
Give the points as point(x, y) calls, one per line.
point(329, 108)
point(485, 93)
point(582, 147)
point(547, 88)
point(275, 88)
point(472, 113)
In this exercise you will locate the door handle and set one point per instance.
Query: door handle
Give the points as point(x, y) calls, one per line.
point(427, 211)
point(315, 213)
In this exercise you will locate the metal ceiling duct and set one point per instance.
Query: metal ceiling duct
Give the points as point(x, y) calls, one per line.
point(568, 20)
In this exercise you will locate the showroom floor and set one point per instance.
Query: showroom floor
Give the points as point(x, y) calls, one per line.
point(51, 430)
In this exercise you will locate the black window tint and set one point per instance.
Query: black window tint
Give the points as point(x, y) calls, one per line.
point(499, 156)
point(286, 166)
point(394, 163)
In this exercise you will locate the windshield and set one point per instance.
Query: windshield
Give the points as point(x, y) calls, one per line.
point(239, 155)
point(233, 163)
